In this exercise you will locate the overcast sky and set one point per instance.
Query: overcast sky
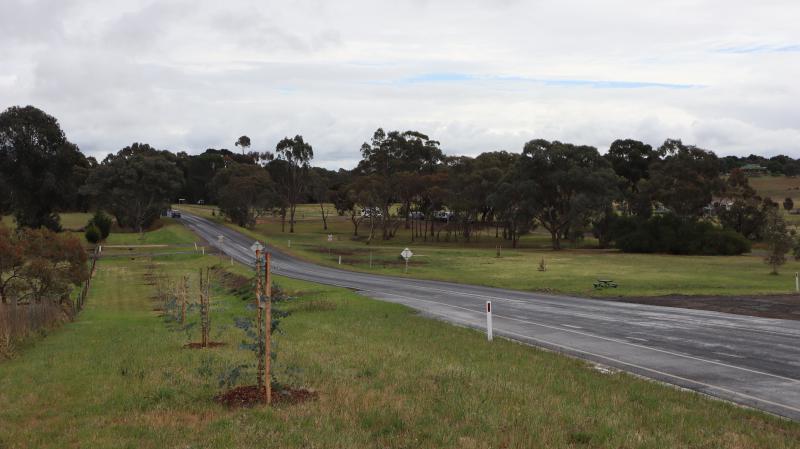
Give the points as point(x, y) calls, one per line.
point(477, 75)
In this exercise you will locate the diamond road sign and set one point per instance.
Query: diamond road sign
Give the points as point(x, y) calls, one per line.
point(406, 254)
point(257, 246)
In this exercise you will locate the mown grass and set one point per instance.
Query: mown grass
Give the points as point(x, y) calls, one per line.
point(171, 232)
point(71, 221)
point(117, 377)
point(570, 271)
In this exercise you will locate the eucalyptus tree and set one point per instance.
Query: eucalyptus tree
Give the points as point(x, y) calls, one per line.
point(685, 180)
point(296, 155)
point(243, 191)
point(631, 160)
point(136, 184)
point(392, 159)
point(244, 143)
point(564, 185)
point(40, 169)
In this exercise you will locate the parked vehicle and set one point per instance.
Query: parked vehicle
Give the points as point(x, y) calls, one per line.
point(371, 212)
point(443, 215)
point(416, 215)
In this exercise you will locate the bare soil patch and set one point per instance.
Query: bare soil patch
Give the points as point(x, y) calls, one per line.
point(250, 395)
point(197, 345)
point(231, 281)
point(785, 307)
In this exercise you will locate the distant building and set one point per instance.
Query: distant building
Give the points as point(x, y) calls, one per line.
point(721, 203)
point(753, 170)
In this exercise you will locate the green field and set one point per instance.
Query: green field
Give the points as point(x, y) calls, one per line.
point(571, 271)
point(118, 378)
point(70, 221)
point(170, 232)
point(778, 188)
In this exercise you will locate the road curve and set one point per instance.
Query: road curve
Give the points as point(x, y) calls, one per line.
point(748, 360)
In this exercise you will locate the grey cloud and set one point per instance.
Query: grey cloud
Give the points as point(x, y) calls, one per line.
point(192, 75)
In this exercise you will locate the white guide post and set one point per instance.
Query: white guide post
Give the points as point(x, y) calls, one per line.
point(489, 320)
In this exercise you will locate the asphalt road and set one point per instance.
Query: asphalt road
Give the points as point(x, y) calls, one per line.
point(748, 360)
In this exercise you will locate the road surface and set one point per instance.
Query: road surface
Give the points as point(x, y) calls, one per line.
point(748, 360)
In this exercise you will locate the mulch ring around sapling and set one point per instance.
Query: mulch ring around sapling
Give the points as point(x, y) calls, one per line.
point(210, 344)
point(250, 395)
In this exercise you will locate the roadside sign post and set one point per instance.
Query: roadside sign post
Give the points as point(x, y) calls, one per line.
point(406, 254)
point(489, 320)
point(340, 260)
point(330, 239)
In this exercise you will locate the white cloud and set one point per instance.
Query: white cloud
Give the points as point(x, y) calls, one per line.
point(477, 75)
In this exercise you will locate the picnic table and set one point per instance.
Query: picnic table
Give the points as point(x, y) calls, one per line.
point(605, 283)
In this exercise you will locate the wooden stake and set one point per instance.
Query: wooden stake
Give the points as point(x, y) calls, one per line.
point(260, 322)
point(268, 330)
point(205, 322)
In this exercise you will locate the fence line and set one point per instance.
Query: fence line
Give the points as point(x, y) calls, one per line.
point(87, 283)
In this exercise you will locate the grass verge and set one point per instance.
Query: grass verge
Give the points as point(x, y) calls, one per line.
point(117, 377)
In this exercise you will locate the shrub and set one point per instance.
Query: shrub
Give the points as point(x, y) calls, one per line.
point(674, 235)
point(92, 234)
point(103, 223)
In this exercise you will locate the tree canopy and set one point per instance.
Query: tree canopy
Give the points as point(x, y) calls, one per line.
point(243, 192)
point(41, 170)
point(297, 155)
point(565, 185)
point(136, 184)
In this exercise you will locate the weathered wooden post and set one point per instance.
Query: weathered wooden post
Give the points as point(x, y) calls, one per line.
point(268, 327)
point(262, 351)
point(205, 322)
point(260, 320)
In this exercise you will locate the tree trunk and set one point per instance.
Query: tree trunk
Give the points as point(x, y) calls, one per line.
point(371, 229)
point(356, 222)
point(387, 222)
point(556, 240)
point(292, 209)
point(324, 219)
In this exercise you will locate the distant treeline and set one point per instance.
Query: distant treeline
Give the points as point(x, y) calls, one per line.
point(776, 165)
point(672, 198)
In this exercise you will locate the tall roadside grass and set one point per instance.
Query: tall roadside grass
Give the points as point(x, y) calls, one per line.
point(19, 322)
